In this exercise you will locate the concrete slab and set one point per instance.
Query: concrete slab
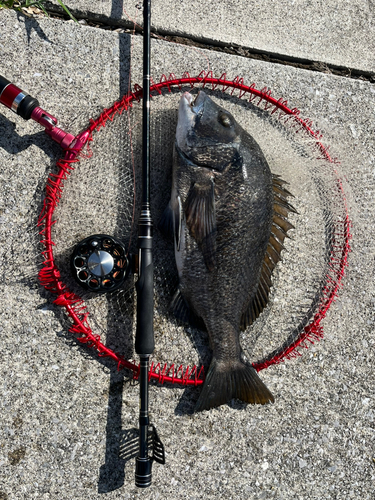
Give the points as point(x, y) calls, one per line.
point(67, 415)
point(336, 34)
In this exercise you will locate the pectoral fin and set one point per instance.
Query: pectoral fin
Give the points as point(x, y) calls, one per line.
point(201, 220)
point(184, 313)
point(170, 222)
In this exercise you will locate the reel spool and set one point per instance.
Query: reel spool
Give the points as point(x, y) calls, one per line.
point(100, 264)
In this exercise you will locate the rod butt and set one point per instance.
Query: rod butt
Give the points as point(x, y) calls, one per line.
point(143, 473)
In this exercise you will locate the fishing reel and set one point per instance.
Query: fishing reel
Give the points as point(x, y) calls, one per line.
point(100, 263)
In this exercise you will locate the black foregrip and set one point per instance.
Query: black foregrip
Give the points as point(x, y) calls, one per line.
point(144, 339)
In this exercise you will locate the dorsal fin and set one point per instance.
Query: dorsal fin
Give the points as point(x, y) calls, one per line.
point(279, 231)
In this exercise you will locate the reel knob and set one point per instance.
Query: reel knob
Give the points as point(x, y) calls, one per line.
point(99, 263)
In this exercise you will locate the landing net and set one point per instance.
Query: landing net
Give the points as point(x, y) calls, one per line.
point(97, 192)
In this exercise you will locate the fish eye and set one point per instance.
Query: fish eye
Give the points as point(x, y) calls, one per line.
point(225, 120)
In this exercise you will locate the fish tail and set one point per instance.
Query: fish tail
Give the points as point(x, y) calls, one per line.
point(225, 382)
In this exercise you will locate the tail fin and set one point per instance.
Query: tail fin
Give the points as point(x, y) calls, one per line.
point(224, 383)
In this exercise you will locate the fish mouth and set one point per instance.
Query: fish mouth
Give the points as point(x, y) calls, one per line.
point(189, 110)
point(194, 103)
point(189, 98)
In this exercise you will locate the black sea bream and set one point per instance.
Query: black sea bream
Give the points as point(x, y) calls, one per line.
point(228, 216)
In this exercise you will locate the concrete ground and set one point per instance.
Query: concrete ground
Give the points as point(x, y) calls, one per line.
point(324, 32)
point(67, 416)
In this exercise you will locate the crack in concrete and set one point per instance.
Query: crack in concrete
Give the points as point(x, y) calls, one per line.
point(295, 62)
point(125, 26)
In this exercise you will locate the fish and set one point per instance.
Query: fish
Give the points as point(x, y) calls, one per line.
point(228, 218)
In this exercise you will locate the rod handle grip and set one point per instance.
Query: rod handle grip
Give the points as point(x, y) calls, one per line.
point(144, 337)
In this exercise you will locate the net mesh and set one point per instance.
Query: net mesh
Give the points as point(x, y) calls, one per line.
point(99, 192)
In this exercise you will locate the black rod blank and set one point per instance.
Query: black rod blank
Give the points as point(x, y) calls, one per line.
point(144, 340)
point(146, 102)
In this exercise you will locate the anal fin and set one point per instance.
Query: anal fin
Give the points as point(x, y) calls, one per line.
point(184, 313)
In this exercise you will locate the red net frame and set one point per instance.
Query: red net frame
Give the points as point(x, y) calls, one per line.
point(74, 305)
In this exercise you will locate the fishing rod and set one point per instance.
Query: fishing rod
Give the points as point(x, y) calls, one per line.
point(144, 339)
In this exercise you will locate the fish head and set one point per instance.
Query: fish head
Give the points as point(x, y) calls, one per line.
point(207, 135)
